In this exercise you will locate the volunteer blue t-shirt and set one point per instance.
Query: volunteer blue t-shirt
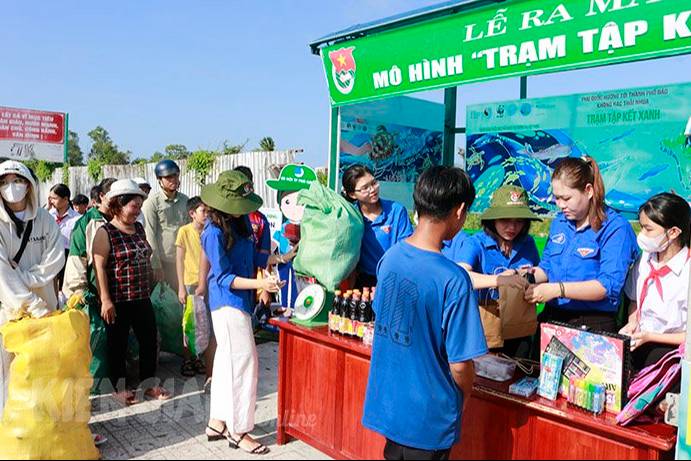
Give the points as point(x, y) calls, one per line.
point(425, 319)
point(241, 260)
point(389, 228)
point(581, 255)
point(452, 248)
point(483, 254)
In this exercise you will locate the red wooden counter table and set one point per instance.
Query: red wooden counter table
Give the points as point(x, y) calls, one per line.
point(321, 390)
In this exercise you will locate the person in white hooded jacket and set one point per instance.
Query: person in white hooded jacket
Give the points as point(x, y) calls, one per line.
point(26, 286)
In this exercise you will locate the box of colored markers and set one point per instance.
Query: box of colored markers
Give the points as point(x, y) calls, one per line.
point(587, 395)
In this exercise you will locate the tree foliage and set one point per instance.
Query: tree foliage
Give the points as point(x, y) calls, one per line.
point(157, 157)
point(42, 169)
point(323, 176)
point(104, 150)
point(74, 152)
point(201, 162)
point(232, 149)
point(267, 144)
point(95, 169)
point(176, 151)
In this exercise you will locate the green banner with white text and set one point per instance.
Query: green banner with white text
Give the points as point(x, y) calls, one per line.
point(512, 38)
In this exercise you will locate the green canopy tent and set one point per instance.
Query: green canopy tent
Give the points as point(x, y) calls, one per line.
point(464, 41)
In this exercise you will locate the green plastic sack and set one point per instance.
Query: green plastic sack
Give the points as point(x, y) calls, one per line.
point(195, 325)
point(330, 236)
point(168, 312)
point(98, 338)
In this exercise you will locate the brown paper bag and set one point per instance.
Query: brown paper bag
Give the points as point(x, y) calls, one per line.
point(518, 316)
point(492, 324)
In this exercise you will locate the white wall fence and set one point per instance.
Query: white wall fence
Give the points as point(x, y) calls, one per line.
point(264, 165)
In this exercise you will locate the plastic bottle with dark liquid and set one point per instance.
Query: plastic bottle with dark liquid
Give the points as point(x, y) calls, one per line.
point(334, 314)
point(368, 335)
point(363, 320)
point(342, 312)
point(352, 316)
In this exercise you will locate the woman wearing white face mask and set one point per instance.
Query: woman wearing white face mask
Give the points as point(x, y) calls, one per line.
point(658, 283)
point(31, 254)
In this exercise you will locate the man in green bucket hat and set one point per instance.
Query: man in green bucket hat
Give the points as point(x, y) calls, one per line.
point(493, 257)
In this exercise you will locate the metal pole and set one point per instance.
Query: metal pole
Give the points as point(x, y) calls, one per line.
point(334, 146)
point(687, 352)
point(524, 87)
point(450, 97)
point(66, 159)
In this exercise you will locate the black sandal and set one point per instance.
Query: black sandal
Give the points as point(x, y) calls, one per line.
point(218, 435)
point(260, 449)
point(187, 369)
point(199, 367)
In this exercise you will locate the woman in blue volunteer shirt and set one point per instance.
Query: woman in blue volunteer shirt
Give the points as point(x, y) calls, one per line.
point(588, 253)
point(228, 244)
point(386, 222)
point(492, 258)
point(452, 248)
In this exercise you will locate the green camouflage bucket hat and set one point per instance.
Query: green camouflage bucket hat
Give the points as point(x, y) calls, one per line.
point(232, 193)
point(509, 202)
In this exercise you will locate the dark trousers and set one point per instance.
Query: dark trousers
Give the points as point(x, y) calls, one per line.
point(138, 315)
point(519, 348)
point(366, 281)
point(60, 278)
point(598, 321)
point(393, 450)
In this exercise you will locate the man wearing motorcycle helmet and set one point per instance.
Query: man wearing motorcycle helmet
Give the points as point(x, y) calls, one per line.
point(165, 211)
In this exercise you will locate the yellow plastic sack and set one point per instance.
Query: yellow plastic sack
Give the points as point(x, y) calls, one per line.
point(47, 412)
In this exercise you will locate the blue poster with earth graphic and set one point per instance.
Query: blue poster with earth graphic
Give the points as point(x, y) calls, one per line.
point(396, 138)
point(636, 135)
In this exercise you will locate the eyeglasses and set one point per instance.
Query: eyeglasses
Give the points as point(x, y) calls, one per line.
point(368, 187)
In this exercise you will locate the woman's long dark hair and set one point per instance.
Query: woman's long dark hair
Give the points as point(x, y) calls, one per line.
point(228, 224)
point(62, 191)
point(350, 178)
point(490, 228)
point(670, 210)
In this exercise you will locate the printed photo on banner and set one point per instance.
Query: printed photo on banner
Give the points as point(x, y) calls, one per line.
point(636, 135)
point(396, 138)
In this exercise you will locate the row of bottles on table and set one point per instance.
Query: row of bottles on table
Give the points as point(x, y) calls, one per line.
point(352, 314)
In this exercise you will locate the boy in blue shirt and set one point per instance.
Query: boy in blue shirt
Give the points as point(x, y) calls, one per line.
point(427, 330)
